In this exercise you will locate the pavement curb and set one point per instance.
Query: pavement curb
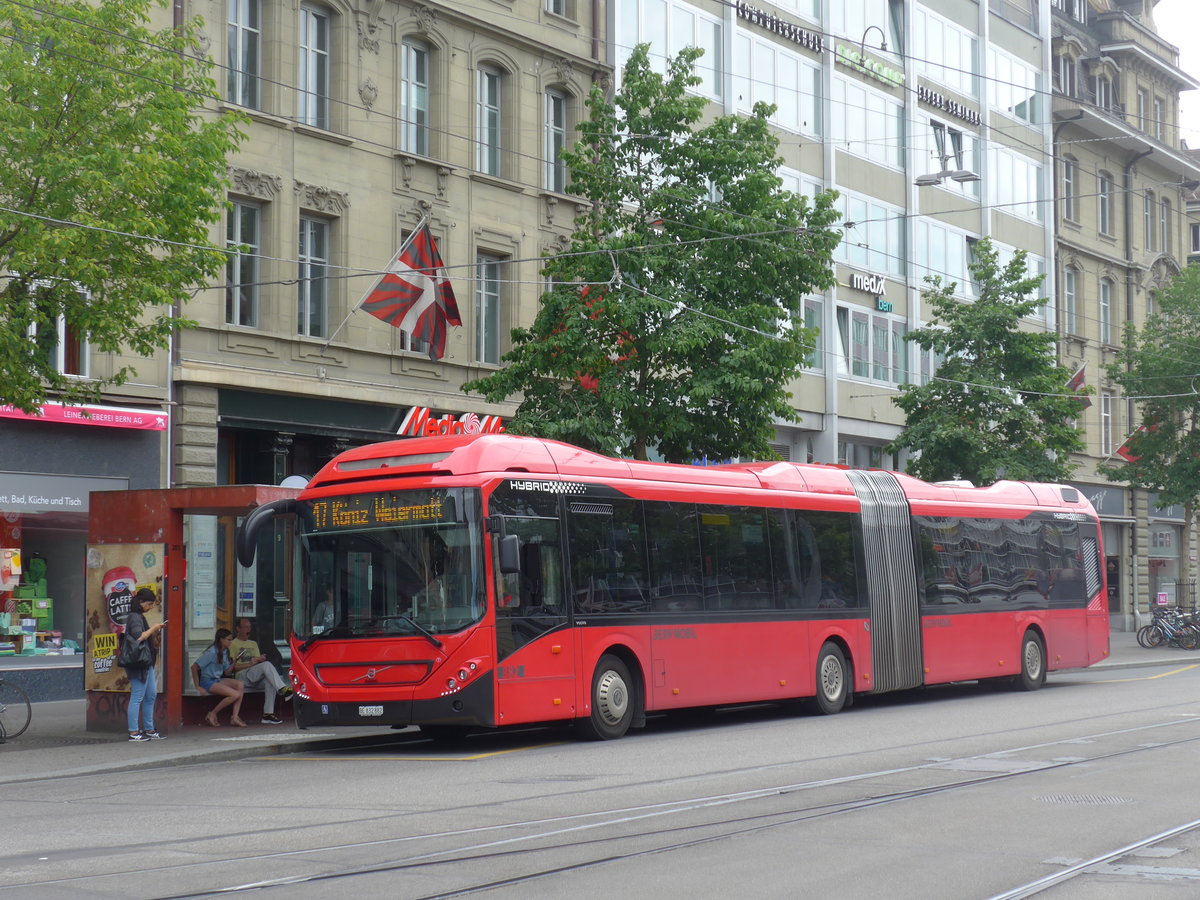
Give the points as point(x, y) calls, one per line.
point(192, 756)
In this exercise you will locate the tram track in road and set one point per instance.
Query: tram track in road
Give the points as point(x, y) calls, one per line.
point(1085, 867)
point(486, 845)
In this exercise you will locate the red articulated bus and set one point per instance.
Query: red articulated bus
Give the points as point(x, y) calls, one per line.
point(488, 580)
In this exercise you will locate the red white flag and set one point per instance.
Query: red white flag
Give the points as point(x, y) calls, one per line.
point(1124, 450)
point(1076, 384)
point(415, 294)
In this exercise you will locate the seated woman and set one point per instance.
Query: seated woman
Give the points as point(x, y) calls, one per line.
point(213, 672)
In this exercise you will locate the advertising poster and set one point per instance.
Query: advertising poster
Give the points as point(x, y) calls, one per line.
point(115, 572)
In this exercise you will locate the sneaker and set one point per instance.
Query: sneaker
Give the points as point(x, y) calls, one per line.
point(137, 736)
point(153, 736)
point(271, 719)
point(285, 693)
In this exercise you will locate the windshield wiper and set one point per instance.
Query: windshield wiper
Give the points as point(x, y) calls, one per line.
point(428, 635)
point(335, 631)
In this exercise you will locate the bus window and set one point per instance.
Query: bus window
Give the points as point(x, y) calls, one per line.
point(836, 562)
point(793, 550)
point(736, 558)
point(608, 556)
point(674, 541)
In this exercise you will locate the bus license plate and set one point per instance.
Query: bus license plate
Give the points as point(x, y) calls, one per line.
point(370, 710)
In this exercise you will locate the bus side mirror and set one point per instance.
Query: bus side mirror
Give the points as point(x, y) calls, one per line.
point(246, 540)
point(510, 554)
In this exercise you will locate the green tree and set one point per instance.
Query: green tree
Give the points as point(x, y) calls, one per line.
point(109, 183)
point(674, 320)
point(1158, 364)
point(999, 406)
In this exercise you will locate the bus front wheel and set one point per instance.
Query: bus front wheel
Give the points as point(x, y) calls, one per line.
point(833, 682)
point(612, 700)
point(1033, 663)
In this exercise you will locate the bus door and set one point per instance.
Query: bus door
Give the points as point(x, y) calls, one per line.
point(535, 653)
point(891, 572)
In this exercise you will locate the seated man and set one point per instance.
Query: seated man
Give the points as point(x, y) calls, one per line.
point(253, 670)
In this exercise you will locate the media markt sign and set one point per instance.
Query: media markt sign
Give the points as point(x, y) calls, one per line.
point(419, 422)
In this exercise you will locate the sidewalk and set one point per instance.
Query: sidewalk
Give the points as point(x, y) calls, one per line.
point(58, 744)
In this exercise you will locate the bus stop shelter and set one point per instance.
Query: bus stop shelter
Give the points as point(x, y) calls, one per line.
point(150, 539)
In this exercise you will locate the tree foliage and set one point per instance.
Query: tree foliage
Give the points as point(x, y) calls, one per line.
point(999, 406)
point(1160, 365)
point(674, 320)
point(109, 183)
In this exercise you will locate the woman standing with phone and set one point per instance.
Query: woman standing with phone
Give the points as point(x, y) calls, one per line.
point(143, 688)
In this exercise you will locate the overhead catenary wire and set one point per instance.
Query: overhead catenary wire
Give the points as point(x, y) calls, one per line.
point(729, 237)
point(825, 34)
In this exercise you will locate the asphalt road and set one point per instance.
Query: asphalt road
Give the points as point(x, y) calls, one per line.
point(959, 792)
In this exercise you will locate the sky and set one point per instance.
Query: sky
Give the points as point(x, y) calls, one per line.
point(1178, 23)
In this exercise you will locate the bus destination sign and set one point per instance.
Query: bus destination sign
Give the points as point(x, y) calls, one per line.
point(381, 508)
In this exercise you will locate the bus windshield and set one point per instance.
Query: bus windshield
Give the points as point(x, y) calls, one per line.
point(389, 563)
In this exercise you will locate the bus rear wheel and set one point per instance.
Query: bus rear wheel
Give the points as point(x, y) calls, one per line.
point(1033, 663)
point(833, 681)
point(612, 700)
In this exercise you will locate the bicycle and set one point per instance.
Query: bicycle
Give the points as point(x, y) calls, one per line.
point(15, 710)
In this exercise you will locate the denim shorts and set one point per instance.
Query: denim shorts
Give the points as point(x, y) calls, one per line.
point(207, 683)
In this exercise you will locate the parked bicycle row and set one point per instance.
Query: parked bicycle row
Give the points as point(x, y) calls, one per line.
point(1171, 628)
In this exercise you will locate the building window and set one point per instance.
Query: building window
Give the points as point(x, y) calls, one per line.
point(872, 346)
point(1105, 311)
point(945, 52)
point(872, 234)
point(314, 68)
point(487, 119)
point(1142, 111)
point(765, 72)
point(1195, 231)
point(1064, 74)
point(313, 278)
point(670, 26)
point(1148, 208)
point(1104, 202)
point(1070, 198)
point(1014, 86)
point(63, 348)
point(1101, 91)
point(1158, 118)
point(868, 123)
point(487, 308)
point(1070, 302)
point(1016, 184)
point(556, 141)
point(245, 52)
point(944, 252)
point(952, 149)
point(242, 237)
point(1106, 423)
point(814, 319)
point(1076, 9)
point(414, 97)
point(560, 8)
point(1164, 225)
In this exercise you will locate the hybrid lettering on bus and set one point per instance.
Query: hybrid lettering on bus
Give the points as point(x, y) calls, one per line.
point(489, 580)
